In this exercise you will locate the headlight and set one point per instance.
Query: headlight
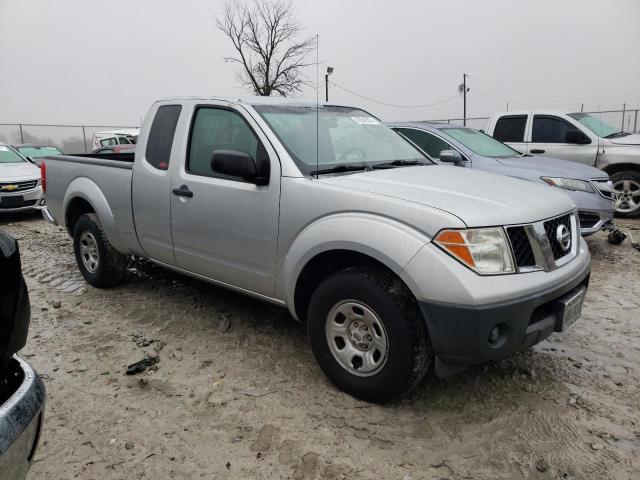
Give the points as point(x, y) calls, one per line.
point(484, 250)
point(569, 184)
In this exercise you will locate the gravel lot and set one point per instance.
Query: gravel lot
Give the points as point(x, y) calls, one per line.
point(237, 393)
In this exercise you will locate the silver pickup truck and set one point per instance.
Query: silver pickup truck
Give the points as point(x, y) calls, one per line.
point(394, 264)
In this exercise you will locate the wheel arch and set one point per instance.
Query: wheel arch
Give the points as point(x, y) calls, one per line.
point(621, 167)
point(315, 254)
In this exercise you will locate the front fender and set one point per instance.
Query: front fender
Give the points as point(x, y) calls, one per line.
point(619, 154)
point(386, 240)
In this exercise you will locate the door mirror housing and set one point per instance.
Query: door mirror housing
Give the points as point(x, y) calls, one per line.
point(451, 156)
point(576, 137)
point(233, 163)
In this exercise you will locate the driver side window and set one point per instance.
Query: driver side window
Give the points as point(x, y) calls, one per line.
point(427, 142)
point(219, 129)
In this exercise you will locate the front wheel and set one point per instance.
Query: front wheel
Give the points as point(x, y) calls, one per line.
point(627, 187)
point(368, 335)
point(100, 264)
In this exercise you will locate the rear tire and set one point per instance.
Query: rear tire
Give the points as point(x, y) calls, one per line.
point(373, 307)
point(627, 186)
point(100, 264)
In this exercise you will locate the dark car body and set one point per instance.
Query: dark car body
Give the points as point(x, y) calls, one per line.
point(22, 393)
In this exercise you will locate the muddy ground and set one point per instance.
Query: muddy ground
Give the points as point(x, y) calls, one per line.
point(237, 393)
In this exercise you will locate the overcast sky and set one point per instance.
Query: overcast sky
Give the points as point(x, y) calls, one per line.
point(104, 62)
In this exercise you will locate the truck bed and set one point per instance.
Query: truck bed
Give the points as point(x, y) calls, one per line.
point(103, 181)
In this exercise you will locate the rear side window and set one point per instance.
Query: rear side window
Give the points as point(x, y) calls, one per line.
point(220, 129)
point(108, 141)
point(550, 129)
point(510, 128)
point(160, 139)
point(428, 143)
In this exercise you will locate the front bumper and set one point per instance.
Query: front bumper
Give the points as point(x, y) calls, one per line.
point(460, 334)
point(22, 201)
point(20, 424)
point(460, 307)
point(594, 211)
point(592, 221)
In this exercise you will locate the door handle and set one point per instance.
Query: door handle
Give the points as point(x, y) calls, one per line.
point(183, 191)
point(536, 150)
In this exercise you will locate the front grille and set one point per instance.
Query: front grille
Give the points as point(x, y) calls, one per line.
point(588, 219)
point(521, 247)
point(17, 186)
point(551, 229)
point(605, 188)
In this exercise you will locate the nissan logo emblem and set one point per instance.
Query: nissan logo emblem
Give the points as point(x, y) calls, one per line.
point(563, 237)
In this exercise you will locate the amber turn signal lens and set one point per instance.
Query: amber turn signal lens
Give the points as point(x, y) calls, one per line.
point(454, 242)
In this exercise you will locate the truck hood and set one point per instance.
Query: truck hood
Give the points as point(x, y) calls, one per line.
point(477, 198)
point(633, 139)
point(540, 166)
point(14, 172)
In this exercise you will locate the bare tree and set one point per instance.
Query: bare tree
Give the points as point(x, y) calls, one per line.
point(265, 37)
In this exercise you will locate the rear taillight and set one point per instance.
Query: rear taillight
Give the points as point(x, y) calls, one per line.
point(43, 176)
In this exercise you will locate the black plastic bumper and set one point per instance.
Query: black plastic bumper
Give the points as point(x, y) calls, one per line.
point(460, 334)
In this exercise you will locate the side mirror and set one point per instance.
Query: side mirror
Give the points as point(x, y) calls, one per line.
point(451, 156)
point(576, 137)
point(233, 163)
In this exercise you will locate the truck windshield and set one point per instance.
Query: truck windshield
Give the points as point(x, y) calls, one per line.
point(325, 137)
point(481, 143)
point(7, 155)
point(594, 124)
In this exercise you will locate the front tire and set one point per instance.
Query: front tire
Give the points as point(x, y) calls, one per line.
point(627, 186)
point(368, 335)
point(100, 264)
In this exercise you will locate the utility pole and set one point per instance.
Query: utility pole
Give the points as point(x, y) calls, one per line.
point(624, 112)
point(462, 88)
point(464, 99)
point(326, 83)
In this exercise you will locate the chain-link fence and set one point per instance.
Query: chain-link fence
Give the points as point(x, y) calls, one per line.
point(626, 120)
point(77, 138)
point(68, 138)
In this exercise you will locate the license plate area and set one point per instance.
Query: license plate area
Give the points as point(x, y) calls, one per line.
point(570, 309)
point(14, 201)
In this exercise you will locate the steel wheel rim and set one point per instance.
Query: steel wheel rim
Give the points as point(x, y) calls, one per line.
point(89, 252)
point(628, 192)
point(357, 338)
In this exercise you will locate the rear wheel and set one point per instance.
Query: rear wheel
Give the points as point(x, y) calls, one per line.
point(368, 335)
point(627, 186)
point(100, 264)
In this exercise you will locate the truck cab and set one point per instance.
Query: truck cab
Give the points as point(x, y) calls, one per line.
point(579, 137)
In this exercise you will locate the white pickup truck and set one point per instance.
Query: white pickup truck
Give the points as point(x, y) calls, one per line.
point(580, 137)
point(395, 264)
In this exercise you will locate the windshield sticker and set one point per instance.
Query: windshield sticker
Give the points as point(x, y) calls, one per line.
point(365, 120)
point(3, 149)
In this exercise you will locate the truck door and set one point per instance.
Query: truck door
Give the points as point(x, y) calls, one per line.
point(151, 188)
point(226, 228)
point(556, 137)
point(510, 129)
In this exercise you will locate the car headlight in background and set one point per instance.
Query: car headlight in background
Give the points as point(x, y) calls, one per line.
point(568, 184)
point(484, 250)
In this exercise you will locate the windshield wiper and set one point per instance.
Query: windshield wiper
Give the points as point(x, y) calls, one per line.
point(341, 168)
point(617, 134)
point(398, 163)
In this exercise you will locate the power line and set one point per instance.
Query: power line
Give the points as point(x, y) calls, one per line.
point(392, 104)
